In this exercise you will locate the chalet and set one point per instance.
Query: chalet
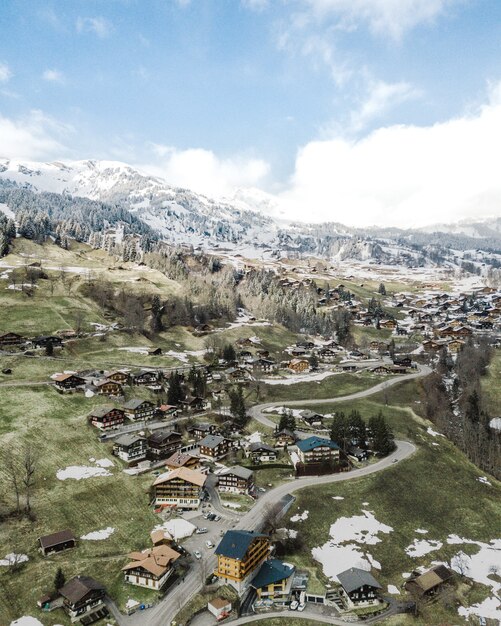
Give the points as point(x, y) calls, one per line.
point(68, 382)
point(150, 568)
point(455, 346)
point(11, 339)
point(317, 450)
point(139, 410)
point(201, 430)
point(104, 417)
point(182, 459)
point(359, 586)
point(430, 582)
point(298, 351)
point(194, 404)
point(164, 410)
point(326, 354)
point(219, 607)
point(264, 365)
point(118, 376)
point(239, 555)
point(357, 453)
point(299, 365)
point(130, 448)
point(44, 340)
point(57, 542)
point(307, 345)
point(162, 443)
point(284, 438)
point(214, 446)
point(161, 538)
point(145, 377)
point(403, 361)
point(272, 582)
point(181, 487)
point(236, 480)
point(311, 418)
point(203, 329)
point(381, 369)
point(83, 600)
point(261, 452)
point(109, 388)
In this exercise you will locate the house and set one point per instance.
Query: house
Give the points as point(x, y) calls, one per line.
point(359, 586)
point(162, 443)
point(182, 459)
point(44, 340)
point(317, 450)
point(381, 369)
point(455, 346)
point(161, 538)
point(139, 410)
point(430, 582)
point(118, 376)
point(214, 446)
point(273, 580)
point(239, 555)
point(405, 361)
point(199, 431)
point(264, 365)
point(57, 542)
point(261, 452)
point(299, 365)
point(83, 600)
point(109, 388)
point(104, 417)
point(284, 438)
point(326, 354)
point(193, 404)
point(145, 377)
point(311, 418)
point(68, 382)
point(236, 480)
point(219, 607)
point(357, 453)
point(181, 487)
point(11, 339)
point(150, 568)
point(130, 448)
point(164, 410)
point(388, 324)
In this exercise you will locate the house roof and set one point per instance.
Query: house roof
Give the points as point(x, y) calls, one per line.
point(238, 470)
point(127, 440)
point(155, 560)
point(189, 475)
point(235, 543)
point(306, 445)
point(61, 377)
point(48, 541)
point(159, 436)
point(432, 578)
point(219, 603)
point(264, 447)
point(211, 441)
point(101, 411)
point(77, 588)
point(134, 403)
point(272, 571)
point(179, 459)
point(354, 578)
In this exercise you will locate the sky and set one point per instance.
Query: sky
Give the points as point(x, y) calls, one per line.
point(364, 112)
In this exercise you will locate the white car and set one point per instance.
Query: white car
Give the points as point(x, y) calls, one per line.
point(209, 544)
point(293, 605)
point(197, 554)
point(301, 606)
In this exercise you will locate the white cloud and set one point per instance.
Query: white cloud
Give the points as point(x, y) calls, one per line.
point(255, 5)
point(403, 175)
point(381, 98)
point(203, 171)
point(384, 17)
point(33, 136)
point(53, 76)
point(5, 72)
point(97, 25)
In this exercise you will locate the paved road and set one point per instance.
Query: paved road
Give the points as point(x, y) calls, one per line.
point(257, 411)
point(164, 612)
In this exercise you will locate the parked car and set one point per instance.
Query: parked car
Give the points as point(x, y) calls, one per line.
point(217, 518)
point(301, 606)
point(201, 531)
point(293, 605)
point(197, 554)
point(209, 544)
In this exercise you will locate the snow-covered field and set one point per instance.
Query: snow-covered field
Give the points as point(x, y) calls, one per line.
point(298, 378)
point(80, 472)
point(420, 547)
point(99, 535)
point(13, 559)
point(300, 517)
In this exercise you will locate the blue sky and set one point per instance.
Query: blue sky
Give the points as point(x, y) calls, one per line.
point(286, 95)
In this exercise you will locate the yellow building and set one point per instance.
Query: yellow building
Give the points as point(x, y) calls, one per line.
point(239, 555)
point(272, 582)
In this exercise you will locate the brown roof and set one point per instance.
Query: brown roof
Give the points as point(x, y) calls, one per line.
point(190, 476)
point(432, 578)
point(158, 536)
point(219, 603)
point(155, 560)
point(49, 541)
point(77, 588)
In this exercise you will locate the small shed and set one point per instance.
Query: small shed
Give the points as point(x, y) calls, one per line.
point(219, 607)
point(57, 542)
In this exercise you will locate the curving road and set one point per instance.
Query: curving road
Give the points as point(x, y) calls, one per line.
point(164, 612)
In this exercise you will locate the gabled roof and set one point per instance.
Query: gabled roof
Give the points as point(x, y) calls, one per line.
point(135, 403)
point(179, 459)
point(163, 434)
point(189, 475)
point(211, 441)
point(235, 543)
point(77, 588)
point(101, 411)
point(49, 541)
point(127, 440)
point(157, 560)
point(354, 578)
point(258, 447)
point(271, 572)
point(238, 470)
point(306, 445)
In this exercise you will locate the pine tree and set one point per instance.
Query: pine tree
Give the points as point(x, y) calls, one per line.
point(237, 406)
point(59, 579)
point(175, 393)
point(156, 315)
point(382, 289)
point(314, 361)
point(357, 429)
point(229, 353)
point(383, 441)
point(339, 430)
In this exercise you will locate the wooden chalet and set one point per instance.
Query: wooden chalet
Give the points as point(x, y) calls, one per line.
point(118, 376)
point(214, 446)
point(109, 388)
point(68, 382)
point(299, 365)
point(104, 417)
point(359, 586)
point(284, 438)
point(137, 409)
point(236, 479)
point(182, 459)
point(181, 487)
point(130, 448)
point(11, 339)
point(162, 443)
point(145, 377)
point(83, 600)
point(430, 582)
point(151, 568)
point(261, 452)
point(57, 542)
point(201, 430)
point(311, 417)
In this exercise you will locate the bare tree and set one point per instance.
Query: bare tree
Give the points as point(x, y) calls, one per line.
point(28, 478)
point(12, 469)
point(460, 563)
